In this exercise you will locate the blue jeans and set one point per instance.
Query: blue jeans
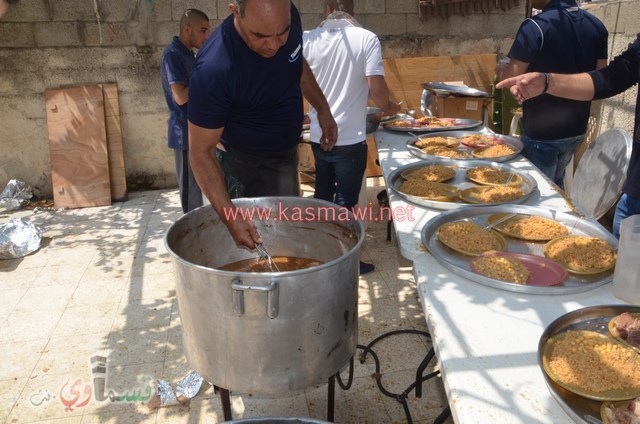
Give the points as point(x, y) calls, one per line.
point(626, 207)
point(339, 173)
point(551, 157)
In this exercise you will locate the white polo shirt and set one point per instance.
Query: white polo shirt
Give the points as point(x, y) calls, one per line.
point(342, 56)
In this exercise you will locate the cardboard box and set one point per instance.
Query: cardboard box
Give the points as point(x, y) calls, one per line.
point(458, 107)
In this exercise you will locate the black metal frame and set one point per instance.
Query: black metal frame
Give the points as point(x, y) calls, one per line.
point(225, 395)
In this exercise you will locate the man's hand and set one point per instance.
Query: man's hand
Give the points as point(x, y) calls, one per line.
point(329, 130)
point(525, 86)
point(244, 233)
point(392, 109)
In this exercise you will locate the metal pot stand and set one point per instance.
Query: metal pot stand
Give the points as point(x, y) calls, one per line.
point(225, 395)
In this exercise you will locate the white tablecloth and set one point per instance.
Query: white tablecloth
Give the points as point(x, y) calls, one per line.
point(485, 339)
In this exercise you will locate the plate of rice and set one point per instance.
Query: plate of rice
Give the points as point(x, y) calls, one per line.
point(492, 176)
point(581, 254)
point(469, 238)
point(519, 268)
point(492, 194)
point(592, 365)
point(529, 227)
point(434, 173)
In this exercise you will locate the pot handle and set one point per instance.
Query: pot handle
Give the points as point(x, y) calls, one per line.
point(272, 297)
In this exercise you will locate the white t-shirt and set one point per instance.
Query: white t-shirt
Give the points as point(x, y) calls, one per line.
point(342, 56)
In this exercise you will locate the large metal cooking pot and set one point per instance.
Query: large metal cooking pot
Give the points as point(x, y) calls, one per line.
point(268, 332)
point(277, 420)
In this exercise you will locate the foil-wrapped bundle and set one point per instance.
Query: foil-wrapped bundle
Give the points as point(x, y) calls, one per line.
point(189, 386)
point(186, 389)
point(18, 238)
point(166, 393)
point(15, 195)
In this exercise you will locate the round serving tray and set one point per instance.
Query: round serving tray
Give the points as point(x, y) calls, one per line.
point(460, 181)
point(460, 264)
point(513, 142)
point(458, 124)
point(455, 90)
point(593, 318)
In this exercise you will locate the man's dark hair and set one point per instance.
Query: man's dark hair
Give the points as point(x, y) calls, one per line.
point(191, 16)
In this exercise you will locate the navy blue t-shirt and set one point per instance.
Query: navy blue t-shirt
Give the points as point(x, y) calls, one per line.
point(563, 39)
point(622, 73)
point(257, 100)
point(175, 67)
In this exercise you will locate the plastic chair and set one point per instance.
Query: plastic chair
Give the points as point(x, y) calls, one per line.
point(601, 173)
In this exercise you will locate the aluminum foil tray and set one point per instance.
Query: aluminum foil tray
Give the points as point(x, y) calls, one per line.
point(460, 264)
point(514, 142)
point(594, 318)
point(394, 180)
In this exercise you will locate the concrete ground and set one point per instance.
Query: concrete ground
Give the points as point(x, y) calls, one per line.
point(102, 284)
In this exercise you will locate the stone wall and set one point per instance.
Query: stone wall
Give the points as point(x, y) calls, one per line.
point(50, 43)
point(622, 20)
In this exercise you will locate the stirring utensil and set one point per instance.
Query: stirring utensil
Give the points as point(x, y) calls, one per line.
point(500, 221)
point(413, 135)
point(510, 178)
point(265, 256)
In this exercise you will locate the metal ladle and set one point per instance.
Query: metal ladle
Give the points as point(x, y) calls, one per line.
point(265, 256)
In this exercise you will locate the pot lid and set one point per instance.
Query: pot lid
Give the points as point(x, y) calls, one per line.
point(601, 172)
point(454, 90)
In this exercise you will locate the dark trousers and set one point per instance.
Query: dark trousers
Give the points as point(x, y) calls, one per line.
point(265, 173)
point(190, 193)
point(339, 173)
point(230, 179)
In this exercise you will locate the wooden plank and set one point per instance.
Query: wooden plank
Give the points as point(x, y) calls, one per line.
point(78, 146)
point(115, 148)
point(404, 76)
point(373, 165)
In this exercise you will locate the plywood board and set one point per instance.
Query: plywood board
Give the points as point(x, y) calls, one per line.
point(115, 148)
point(373, 165)
point(404, 76)
point(78, 146)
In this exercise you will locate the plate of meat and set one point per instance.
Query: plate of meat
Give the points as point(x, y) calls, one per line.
point(626, 328)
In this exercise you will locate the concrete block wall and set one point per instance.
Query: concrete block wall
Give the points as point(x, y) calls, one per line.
point(49, 43)
point(622, 19)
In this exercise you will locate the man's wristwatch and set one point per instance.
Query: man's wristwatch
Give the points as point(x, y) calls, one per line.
point(547, 80)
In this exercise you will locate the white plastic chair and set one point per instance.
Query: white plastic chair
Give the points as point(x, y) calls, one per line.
point(602, 171)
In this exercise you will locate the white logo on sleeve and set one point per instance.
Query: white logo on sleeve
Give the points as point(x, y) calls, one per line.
point(296, 54)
